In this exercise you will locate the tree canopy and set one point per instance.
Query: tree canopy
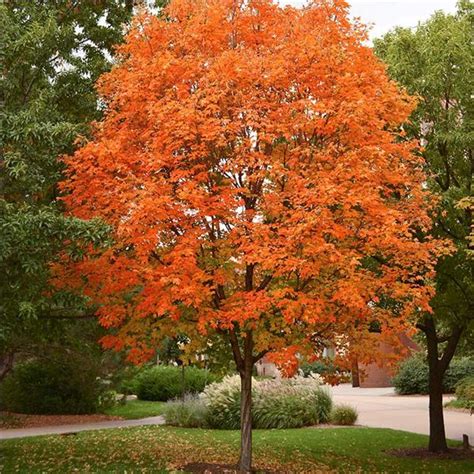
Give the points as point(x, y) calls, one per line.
point(436, 62)
point(51, 55)
point(251, 168)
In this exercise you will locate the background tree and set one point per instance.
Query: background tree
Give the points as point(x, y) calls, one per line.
point(436, 62)
point(250, 167)
point(51, 54)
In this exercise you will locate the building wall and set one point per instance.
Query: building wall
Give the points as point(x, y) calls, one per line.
point(371, 375)
point(267, 368)
point(380, 375)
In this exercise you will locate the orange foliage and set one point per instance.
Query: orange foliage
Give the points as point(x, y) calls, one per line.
point(250, 167)
point(286, 359)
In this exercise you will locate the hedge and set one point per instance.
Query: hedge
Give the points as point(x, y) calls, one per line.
point(412, 375)
point(163, 383)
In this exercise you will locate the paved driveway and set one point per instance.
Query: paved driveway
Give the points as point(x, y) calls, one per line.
point(382, 408)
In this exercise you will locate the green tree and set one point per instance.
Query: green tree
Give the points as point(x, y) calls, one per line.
point(51, 54)
point(436, 62)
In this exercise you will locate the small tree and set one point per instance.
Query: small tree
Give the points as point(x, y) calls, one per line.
point(250, 166)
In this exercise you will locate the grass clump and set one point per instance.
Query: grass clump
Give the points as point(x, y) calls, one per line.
point(343, 415)
point(191, 412)
point(277, 404)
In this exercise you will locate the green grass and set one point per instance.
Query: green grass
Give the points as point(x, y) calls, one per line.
point(136, 409)
point(163, 449)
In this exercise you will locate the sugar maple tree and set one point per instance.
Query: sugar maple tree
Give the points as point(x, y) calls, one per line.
point(250, 168)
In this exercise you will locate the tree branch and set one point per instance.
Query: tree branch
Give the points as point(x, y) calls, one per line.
point(422, 327)
point(265, 282)
point(451, 348)
point(249, 270)
point(260, 355)
point(236, 349)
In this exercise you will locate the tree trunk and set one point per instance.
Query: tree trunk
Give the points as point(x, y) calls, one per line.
point(437, 368)
point(183, 382)
point(245, 361)
point(245, 461)
point(355, 373)
point(437, 441)
point(6, 364)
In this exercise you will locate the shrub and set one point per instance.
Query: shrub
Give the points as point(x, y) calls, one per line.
point(326, 369)
point(317, 367)
point(53, 386)
point(283, 403)
point(412, 376)
point(343, 415)
point(465, 388)
point(190, 412)
point(465, 392)
point(128, 386)
point(107, 399)
point(163, 383)
point(459, 369)
point(126, 380)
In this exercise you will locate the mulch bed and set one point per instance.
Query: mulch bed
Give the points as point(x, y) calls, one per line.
point(207, 468)
point(17, 420)
point(422, 453)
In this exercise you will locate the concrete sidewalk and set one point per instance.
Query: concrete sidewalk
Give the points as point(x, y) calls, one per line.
point(63, 429)
point(382, 408)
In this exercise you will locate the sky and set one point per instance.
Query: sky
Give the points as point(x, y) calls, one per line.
point(386, 14)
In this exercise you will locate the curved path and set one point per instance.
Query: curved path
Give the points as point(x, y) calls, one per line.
point(383, 408)
point(65, 429)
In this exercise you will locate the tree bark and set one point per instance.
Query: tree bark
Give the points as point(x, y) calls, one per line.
point(245, 461)
point(245, 361)
point(437, 368)
point(183, 382)
point(437, 441)
point(6, 364)
point(355, 373)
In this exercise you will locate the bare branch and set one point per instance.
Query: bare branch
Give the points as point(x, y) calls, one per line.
point(265, 282)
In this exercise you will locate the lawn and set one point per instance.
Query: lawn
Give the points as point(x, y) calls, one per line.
point(136, 409)
point(164, 449)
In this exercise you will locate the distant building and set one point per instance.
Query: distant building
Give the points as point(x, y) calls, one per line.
point(266, 368)
point(380, 375)
point(370, 375)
